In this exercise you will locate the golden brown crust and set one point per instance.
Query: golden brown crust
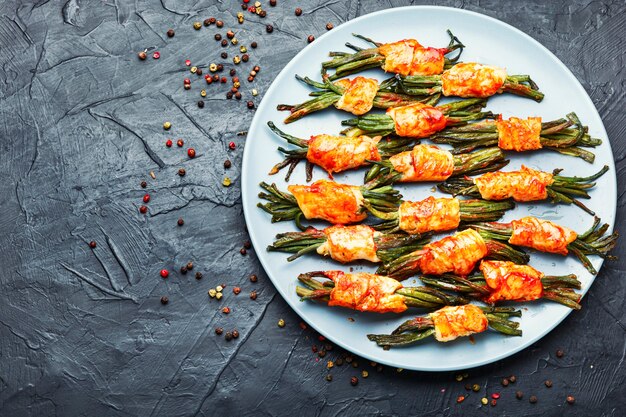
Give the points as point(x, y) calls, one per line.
point(542, 235)
point(349, 243)
point(427, 61)
point(330, 201)
point(358, 96)
point(417, 120)
point(526, 184)
point(424, 163)
point(457, 254)
point(398, 55)
point(429, 215)
point(469, 79)
point(452, 322)
point(511, 282)
point(366, 292)
point(519, 135)
point(340, 153)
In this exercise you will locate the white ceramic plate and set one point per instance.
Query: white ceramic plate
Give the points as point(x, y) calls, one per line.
point(488, 41)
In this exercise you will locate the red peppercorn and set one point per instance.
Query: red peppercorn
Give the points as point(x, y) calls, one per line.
point(146, 198)
point(232, 145)
point(321, 338)
point(164, 273)
point(256, 68)
point(143, 209)
point(223, 80)
point(226, 310)
point(298, 11)
point(180, 221)
point(216, 77)
point(168, 143)
point(186, 81)
point(191, 152)
point(180, 143)
point(170, 33)
point(253, 278)
point(272, 3)
point(187, 62)
point(495, 395)
point(238, 95)
point(310, 39)
point(156, 55)
point(460, 398)
point(236, 290)
point(92, 244)
point(253, 295)
point(250, 104)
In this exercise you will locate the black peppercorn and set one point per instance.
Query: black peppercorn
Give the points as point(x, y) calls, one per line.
point(207, 22)
point(532, 399)
point(92, 244)
point(218, 37)
point(310, 39)
point(183, 270)
point(143, 184)
point(238, 95)
point(339, 361)
point(180, 221)
point(201, 103)
point(272, 3)
point(227, 163)
point(247, 244)
point(245, 57)
point(216, 77)
point(512, 379)
point(229, 95)
point(559, 353)
point(269, 28)
point(253, 278)
point(250, 78)
point(219, 330)
point(235, 334)
point(262, 13)
point(212, 20)
point(256, 69)
point(164, 300)
point(224, 55)
point(170, 33)
point(219, 24)
point(253, 45)
point(232, 72)
point(224, 43)
point(519, 395)
point(182, 172)
point(198, 275)
point(250, 105)
point(199, 72)
point(243, 251)
point(354, 381)
point(548, 383)
point(329, 377)
point(253, 295)
point(220, 67)
point(505, 382)
point(229, 336)
point(298, 11)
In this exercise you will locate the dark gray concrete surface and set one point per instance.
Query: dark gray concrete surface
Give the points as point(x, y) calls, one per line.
point(82, 332)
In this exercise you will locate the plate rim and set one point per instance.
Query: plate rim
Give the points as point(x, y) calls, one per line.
point(246, 195)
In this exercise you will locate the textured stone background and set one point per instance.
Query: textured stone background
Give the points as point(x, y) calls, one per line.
point(82, 332)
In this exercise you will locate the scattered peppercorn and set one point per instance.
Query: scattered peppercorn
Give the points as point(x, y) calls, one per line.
point(232, 145)
point(199, 71)
point(143, 184)
point(164, 273)
point(548, 383)
point(93, 244)
point(243, 251)
point(253, 278)
point(228, 336)
point(218, 37)
point(281, 323)
point(143, 209)
point(200, 103)
point(170, 33)
point(329, 26)
point(505, 382)
point(559, 353)
point(230, 34)
point(167, 125)
point(355, 364)
point(354, 381)
point(198, 275)
point(272, 3)
point(224, 55)
point(484, 401)
point(223, 80)
point(212, 20)
point(339, 362)
point(519, 395)
point(494, 403)
point(365, 374)
point(207, 22)
point(197, 25)
point(183, 270)
point(219, 330)
point(495, 396)
point(532, 399)
point(269, 28)
point(253, 295)
point(256, 69)
point(460, 398)
point(235, 334)
point(570, 399)
point(247, 244)
point(156, 55)
point(475, 387)
point(262, 13)
point(329, 377)
point(253, 45)
point(219, 24)
point(321, 353)
point(191, 152)
point(168, 143)
point(298, 11)
point(142, 55)
point(224, 43)
point(189, 265)
point(182, 172)
point(225, 310)
point(216, 77)
point(310, 39)
point(229, 95)
point(238, 95)
point(180, 221)
point(236, 290)
point(512, 379)
point(164, 299)
point(245, 57)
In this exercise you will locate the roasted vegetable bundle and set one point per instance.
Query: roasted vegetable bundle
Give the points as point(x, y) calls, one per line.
point(525, 185)
point(406, 57)
point(451, 322)
point(507, 281)
point(566, 136)
point(549, 237)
